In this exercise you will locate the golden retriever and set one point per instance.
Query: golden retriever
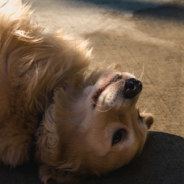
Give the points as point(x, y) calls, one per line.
point(83, 124)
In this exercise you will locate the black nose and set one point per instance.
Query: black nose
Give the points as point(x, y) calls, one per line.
point(132, 88)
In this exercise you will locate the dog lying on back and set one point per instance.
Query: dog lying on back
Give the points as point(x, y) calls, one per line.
point(83, 124)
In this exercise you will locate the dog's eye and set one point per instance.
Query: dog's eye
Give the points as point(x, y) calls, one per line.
point(119, 135)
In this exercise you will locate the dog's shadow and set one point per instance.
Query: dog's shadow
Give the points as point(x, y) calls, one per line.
point(161, 162)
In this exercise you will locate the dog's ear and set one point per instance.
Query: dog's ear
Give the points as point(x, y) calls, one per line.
point(58, 160)
point(148, 119)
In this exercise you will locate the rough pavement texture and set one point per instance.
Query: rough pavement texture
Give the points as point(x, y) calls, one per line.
point(136, 36)
point(131, 36)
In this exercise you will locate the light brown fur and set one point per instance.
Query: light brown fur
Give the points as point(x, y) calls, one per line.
point(44, 74)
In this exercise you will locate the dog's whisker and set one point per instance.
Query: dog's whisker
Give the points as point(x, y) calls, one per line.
point(100, 106)
point(91, 82)
point(96, 103)
point(131, 70)
point(81, 86)
point(104, 110)
point(142, 74)
point(145, 110)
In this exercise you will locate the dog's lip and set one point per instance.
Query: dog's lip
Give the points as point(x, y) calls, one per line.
point(98, 92)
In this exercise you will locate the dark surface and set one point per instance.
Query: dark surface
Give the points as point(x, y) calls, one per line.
point(161, 162)
point(25, 174)
point(122, 5)
point(170, 12)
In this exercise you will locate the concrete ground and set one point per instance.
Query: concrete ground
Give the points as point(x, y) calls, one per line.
point(132, 35)
point(139, 36)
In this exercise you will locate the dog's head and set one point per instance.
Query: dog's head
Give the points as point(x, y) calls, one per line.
point(94, 129)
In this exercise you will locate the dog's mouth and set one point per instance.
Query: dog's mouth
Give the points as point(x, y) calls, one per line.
point(100, 90)
point(131, 88)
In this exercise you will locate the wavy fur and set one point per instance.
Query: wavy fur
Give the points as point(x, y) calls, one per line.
point(45, 75)
point(32, 64)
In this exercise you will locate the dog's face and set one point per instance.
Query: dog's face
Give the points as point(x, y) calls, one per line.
point(98, 130)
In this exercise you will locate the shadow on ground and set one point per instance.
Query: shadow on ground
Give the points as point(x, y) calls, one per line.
point(161, 162)
point(169, 11)
point(172, 12)
point(122, 5)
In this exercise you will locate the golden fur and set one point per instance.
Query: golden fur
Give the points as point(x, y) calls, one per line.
point(43, 74)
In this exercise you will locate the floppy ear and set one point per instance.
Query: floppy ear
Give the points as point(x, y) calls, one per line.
point(148, 119)
point(55, 153)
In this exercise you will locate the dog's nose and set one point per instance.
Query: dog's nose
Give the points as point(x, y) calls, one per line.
point(132, 88)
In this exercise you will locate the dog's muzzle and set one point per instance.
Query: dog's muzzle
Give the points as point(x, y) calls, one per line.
point(132, 88)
